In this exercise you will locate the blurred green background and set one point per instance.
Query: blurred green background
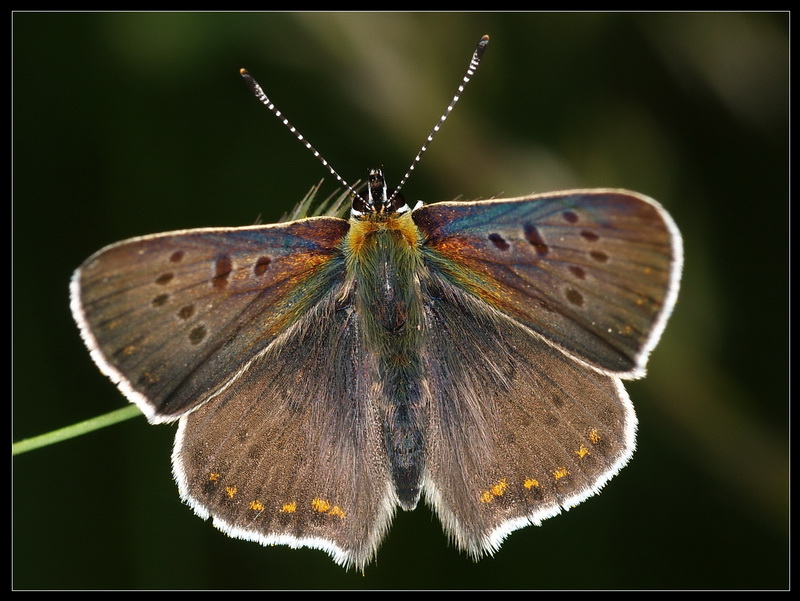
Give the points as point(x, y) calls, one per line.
point(127, 124)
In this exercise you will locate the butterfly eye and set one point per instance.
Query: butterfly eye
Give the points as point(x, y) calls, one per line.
point(396, 203)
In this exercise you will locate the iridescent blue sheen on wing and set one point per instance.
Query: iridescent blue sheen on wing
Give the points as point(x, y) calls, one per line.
point(590, 270)
point(223, 294)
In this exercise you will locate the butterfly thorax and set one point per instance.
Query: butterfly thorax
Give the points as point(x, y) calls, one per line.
point(383, 263)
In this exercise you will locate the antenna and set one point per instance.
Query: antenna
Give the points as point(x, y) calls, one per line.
point(259, 93)
point(473, 65)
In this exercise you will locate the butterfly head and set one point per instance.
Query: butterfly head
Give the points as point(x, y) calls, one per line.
point(377, 198)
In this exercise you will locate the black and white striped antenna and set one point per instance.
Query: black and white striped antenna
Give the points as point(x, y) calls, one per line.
point(473, 65)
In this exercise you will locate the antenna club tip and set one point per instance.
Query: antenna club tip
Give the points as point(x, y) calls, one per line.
point(484, 39)
point(243, 72)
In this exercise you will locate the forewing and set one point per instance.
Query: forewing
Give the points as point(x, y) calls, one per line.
point(173, 318)
point(595, 272)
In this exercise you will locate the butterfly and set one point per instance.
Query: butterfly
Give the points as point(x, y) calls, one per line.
point(325, 372)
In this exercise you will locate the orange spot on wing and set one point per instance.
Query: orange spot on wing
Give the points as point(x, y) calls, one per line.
point(497, 490)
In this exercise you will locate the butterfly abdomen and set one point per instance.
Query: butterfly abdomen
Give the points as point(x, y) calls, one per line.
point(383, 258)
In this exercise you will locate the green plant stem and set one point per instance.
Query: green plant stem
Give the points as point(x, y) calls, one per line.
point(78, 429)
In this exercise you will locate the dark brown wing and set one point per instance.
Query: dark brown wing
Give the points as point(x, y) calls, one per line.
point(595, 272)
point(172, 318)
point(292, 452)
point(518, 430)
